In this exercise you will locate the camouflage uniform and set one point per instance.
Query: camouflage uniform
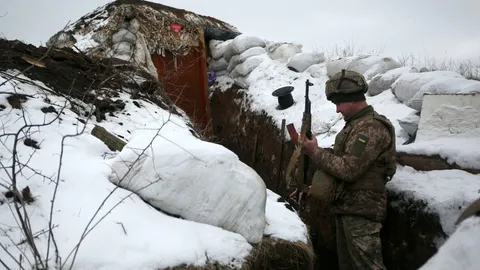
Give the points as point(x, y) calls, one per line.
point(362, 161)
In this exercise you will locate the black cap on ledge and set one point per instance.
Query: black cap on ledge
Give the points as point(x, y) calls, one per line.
point(285, 99)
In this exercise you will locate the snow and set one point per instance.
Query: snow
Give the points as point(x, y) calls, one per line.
point(126, 232)
point(281, 224)
point(460, 251)
point(445, 192)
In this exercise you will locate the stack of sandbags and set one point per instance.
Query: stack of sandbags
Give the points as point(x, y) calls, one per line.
point(244, 54)
point(124, 41)
point(129, 44)
point(217, 62)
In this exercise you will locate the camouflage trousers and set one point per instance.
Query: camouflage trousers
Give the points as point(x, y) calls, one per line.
point(358, 243)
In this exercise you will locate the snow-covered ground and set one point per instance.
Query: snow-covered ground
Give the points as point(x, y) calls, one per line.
point(122, 231)
point(263, 66)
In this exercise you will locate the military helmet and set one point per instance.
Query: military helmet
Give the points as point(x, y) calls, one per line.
point(346, 86)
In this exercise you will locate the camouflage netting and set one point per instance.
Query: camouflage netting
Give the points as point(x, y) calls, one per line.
point(153, 21)
point(155, 27)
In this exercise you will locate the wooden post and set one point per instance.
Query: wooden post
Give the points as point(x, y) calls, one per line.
point(255, 146)
point(112, 141)
point(205, 88)
point(280, 161)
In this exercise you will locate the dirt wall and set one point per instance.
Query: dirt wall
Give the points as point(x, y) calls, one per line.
point(409, 234)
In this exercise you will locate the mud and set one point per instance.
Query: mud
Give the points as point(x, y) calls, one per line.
point(410, 233)
point(72, 74)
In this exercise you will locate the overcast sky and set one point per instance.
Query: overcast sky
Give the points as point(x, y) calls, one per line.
point(431, 28)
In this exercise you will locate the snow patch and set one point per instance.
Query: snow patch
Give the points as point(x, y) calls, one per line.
point(460, 251)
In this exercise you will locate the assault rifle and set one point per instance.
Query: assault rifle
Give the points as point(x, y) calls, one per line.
point(299, 159)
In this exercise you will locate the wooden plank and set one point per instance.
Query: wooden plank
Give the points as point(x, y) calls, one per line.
point(280, 158)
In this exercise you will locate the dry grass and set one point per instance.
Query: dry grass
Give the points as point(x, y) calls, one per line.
point(279, 254)
point(270, 254)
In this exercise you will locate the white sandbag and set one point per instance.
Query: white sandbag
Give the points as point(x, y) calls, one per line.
point(335, 66)
point(282, 51)
point(217, 64)
point(240, 58)
point(142, 56)
point(218, 47)
point(443, 86)
point(246, 67)
point(382, 82)
point(301, 61)
point(123, 35)
point(317, 70)
point(409, 88)
point(197, 180)
point(122, 48)
point(221, 73)
point(242, 43)
point(372, 65)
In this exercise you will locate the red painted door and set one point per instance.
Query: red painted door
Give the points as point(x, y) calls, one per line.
point(185, 82)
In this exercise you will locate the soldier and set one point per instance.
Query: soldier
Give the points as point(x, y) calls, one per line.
point(353, 176)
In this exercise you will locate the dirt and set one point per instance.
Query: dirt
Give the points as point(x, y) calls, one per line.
point(74, 75)
point(410, 231)
point(430, 163)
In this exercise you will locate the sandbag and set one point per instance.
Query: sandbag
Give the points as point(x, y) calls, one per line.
point(301, 61)
point(246, 67)
point(217, 64)
point(123, 35)
point(242, 43)
point(409, 88)
point(282, 51)
point(194, 179)
point(382, 82)
point(335, 66)
point(372, 65)
point(240, 58)
point(317, 70)
point(218, 47)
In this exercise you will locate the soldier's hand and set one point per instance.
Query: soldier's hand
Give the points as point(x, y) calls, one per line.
point(310, 146)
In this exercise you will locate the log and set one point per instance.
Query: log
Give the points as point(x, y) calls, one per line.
point(429, 163)
point(112, 141)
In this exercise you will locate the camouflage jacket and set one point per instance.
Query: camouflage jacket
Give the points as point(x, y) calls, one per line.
point(362, 153)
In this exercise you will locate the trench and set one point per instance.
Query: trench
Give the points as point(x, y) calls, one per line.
point(409, 234)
